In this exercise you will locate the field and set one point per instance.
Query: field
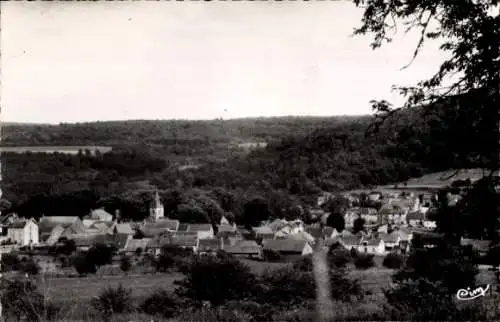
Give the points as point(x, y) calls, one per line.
point(52, 149)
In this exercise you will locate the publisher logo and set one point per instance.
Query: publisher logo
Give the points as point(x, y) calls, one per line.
point(468, 294)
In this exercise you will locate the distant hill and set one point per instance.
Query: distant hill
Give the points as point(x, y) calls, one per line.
point(442, 179)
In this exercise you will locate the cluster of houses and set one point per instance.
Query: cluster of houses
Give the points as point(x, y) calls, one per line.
point(395, 208)
point(389, 229)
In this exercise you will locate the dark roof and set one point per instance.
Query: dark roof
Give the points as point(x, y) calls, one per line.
point(199, 227)
point(227, 234)
point(372, 241)
point(209, 245)
point(350, 240)
point(316, 232)
point(284, 245)
point(415, 216)
point(184, 240)
point(18, 224)
point(133, 245)
point(249, 247)
point(183, 227)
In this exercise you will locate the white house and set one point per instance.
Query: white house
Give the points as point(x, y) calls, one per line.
point(100, 215)
point(23, 232)
point(375, 246)
point(415, 219)
point(429, 224)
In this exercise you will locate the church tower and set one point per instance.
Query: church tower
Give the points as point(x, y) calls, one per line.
point(156, 210)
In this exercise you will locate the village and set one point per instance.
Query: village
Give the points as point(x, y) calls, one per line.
point(389, 229)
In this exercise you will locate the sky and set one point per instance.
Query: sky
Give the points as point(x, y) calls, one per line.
point(91, 61)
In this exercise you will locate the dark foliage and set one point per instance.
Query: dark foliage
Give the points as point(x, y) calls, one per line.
point(161, 303)
point(100, 255)
point(25, 302)
point(364, 261)
point(358, 225)
point(336, 220)
point(393, 261)
point(125, 264)
point(216, 280)
point(113, 300)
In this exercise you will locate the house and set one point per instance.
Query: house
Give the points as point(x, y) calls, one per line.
point(246, 233)
point(224, 221)
point(203, 230)
point(101, 215)
point(137, 245)
point(183, 227)
point(70, 224)
point(101, 227)
point(123, 228)
point(287, 249)
point(305, 236)
point(430, 224)
point(383, 229)
point(210, 245)
point(156, 244)
point(349, 217)
point(480, 246)
point(415, 219)
point(263, 232)
point(186, 240)
point(23, 232)
point(226, 228)
point(374, 196)
point(245, 248)
point(151, 229)
point(391, 241)
point(289, 228)
point(392, 214)
point(369, 215)
point(349, 242)
point(374, 246)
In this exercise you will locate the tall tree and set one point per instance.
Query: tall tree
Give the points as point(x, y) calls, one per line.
point(469, 33)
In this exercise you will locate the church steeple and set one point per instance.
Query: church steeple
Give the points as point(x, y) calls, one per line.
point(156, 210)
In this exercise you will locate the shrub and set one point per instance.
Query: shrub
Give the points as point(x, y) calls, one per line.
point(25, 302)
point(304, 264)
point(83, 265)
point(113, 300)
point(364, 261)
point(393, 261)
point(100, 255)
point(160, 303)
point(286, 286)
point(30, 267)
point(271, 255)
point(339, 257)
point(216, 280)
point(125, 264)
point(10, 262)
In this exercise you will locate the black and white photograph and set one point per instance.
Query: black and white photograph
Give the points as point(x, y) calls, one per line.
point(250, 161)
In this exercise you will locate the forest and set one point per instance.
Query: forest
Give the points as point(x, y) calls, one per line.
point(303, 157)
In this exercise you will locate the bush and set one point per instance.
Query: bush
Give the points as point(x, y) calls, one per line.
point(216, 280)
point(30, 267)
point(125, 264)
point(83, 265)
point(364, 261)
point(10, 262)
point(160, 303)
point(25, 302)
point(339, 257)
point(113, 300)
point(393, 261)
point(271, 255)
point(100, 255)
